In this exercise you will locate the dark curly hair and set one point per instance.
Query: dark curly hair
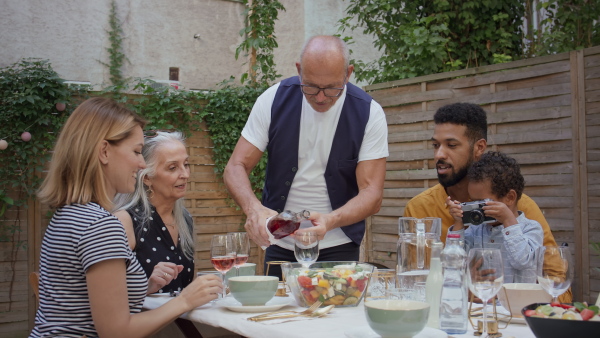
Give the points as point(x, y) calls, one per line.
point(465, 114)
point(504, 173)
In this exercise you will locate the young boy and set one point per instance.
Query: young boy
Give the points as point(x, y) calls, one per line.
point(498, 177)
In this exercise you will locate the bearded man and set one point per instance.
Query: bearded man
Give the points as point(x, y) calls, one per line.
point(459, 139)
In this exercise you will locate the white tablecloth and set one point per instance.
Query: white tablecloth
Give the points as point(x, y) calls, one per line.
point(334, 325)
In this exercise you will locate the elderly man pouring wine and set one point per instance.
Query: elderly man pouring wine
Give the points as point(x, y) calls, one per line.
point(327, 147)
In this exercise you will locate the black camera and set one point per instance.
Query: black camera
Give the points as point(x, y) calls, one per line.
point(473, 213)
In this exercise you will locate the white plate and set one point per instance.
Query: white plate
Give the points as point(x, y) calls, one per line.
point(274, 304)
point(160, 294)
point(366, 332)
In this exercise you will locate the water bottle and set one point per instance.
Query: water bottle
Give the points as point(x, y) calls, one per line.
point(433, 285)
point(453, 303)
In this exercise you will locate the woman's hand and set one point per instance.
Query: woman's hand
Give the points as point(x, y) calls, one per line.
point(162, 275)
point(202, 290)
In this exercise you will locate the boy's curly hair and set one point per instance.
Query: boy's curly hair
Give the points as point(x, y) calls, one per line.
point(504, 173)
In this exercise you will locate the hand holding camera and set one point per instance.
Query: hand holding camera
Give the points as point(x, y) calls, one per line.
point(473, 212)
point(498, 213)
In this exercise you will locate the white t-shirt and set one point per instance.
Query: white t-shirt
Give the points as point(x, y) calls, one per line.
point(309, 190)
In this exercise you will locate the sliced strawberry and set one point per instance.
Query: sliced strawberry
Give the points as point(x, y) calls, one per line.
point(586, 314)
point(530, 313)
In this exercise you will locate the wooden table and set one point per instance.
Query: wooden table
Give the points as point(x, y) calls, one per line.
point(334, 325)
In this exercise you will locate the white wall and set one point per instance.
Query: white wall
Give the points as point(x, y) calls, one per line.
point(158, 34)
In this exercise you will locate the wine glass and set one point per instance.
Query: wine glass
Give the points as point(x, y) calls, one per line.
point(306, 247)
point(241, 245)
point(222, 256)
point(556, 273)
point(485, 275)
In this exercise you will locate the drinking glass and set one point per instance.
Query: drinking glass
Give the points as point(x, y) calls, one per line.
point(380, 282)
point(222, 256)
point(204, 273)
point(241, 245)
point(306, 248)
point(556, 273)
point(485, 275)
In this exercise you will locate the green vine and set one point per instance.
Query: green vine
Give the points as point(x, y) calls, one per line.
point(426, 37)
point(34, 103)
point(566, 25)
point(260, 40)
point(115, 51)
point(225, 114)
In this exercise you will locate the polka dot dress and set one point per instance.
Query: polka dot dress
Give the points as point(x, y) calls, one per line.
point(154, 244)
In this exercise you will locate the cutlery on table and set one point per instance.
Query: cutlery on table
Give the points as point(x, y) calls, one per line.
point(317, 313)
point(310, 310)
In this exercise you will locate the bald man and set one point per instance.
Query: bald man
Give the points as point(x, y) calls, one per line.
point(327, 146)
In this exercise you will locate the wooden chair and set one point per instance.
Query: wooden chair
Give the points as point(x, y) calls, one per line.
point(34, 282)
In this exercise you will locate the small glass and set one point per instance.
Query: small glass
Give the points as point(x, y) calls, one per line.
point(420, 293)
point(212, 272)
point(400, 294)
point(380, 282)
point(306, 248)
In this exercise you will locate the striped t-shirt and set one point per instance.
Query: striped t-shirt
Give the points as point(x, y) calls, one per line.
point(78, 237)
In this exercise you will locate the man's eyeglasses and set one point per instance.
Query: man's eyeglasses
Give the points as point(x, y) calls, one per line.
point(329, 92)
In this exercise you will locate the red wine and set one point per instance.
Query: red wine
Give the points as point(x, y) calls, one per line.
point(222, 263)
point(240, 260)
point(282, 228)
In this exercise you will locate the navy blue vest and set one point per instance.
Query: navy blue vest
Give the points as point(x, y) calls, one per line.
point(282, 150)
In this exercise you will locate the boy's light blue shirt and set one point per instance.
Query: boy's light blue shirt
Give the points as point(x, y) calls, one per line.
point(519, 244)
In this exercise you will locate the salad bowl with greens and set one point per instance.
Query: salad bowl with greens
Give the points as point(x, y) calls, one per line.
point(342, 284)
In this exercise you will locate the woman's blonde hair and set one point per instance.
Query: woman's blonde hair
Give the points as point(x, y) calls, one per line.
point(75, 174)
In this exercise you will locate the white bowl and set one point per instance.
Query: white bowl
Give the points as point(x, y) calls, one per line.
point(515, 296)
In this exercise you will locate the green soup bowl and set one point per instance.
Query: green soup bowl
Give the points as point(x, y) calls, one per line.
point(253, 290)
point(396, 318)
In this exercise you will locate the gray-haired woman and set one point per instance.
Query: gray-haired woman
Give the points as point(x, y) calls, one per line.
point(159, 228)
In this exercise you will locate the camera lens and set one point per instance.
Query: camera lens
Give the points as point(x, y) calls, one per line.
point(477, 217)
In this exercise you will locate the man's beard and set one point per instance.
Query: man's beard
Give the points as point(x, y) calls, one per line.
point(447, 180)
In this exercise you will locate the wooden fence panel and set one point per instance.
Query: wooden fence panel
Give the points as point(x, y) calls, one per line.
point(538, 113)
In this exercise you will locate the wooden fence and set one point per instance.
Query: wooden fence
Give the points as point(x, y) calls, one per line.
point(544, 112)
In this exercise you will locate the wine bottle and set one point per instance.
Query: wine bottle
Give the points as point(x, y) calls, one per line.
point(285, 224)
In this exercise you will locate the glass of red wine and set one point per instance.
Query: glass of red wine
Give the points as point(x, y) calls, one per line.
point(241, 245)
point(222, 256)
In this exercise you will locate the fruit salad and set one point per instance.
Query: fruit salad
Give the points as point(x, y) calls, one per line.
point(340, 286)
point(577, 311)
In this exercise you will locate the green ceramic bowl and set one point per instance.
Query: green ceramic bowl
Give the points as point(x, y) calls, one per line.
point(396, 318)
point(253, 290)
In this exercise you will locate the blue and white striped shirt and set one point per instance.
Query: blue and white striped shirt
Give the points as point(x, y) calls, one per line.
point(78, 237)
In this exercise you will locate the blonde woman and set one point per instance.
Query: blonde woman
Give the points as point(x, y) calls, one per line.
point(90, 281)
point(158, 226)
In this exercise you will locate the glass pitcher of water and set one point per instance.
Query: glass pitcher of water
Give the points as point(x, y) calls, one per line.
point(415, 239)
